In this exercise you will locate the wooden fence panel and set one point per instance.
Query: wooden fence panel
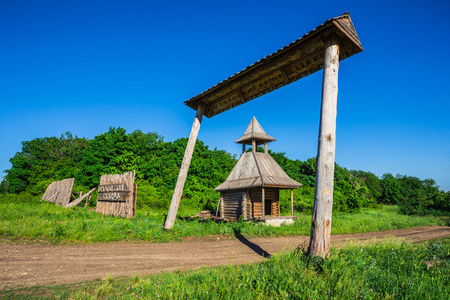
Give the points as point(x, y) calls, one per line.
point(59, 192)
point(112, 200)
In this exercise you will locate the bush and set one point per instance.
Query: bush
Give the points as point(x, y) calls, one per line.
point(149, 197)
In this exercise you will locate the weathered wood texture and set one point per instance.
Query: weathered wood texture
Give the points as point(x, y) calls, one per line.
point(113, 192)
point(81, 198)
point(292, 62)
point(248, 204)
point(255, 169)
point(59, 192)
point(271, 205)
point(178, 192)
point(320, 239)
point(254, 135)
point(126, 209)
point(232, 204)
point(220, 205)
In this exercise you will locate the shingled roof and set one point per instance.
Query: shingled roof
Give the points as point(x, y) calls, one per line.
point(254, 132)
point(255, 169)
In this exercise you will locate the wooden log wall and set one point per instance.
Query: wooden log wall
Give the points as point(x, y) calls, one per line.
point(126, 209)
point(248, 203)
point(59, 192)
point(232, 205)
point(272, 202)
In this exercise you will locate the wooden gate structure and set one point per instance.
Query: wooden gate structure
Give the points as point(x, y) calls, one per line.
point(321, 48)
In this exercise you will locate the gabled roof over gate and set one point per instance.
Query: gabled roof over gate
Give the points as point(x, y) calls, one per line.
point(297, 60)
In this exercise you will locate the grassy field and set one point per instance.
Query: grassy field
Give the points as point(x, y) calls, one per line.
point(388, 270)
point(25, 217)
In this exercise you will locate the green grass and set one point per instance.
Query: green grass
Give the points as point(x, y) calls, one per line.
point(388, 270)
point(25, 217)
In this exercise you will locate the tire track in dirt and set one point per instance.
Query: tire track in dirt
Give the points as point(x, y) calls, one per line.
point(31, 264)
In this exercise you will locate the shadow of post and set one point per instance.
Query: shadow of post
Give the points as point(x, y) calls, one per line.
point(257, 249)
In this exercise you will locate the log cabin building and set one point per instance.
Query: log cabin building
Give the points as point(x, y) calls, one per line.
point(253, 187)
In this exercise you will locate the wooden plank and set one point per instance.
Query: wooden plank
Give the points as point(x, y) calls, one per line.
point(78, 201)
point(231, 206)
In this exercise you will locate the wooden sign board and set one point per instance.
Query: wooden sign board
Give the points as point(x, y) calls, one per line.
point(113, 192)
point(117, 195)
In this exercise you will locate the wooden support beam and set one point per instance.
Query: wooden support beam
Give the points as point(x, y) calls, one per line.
point(263, 203)
point(265, 148)
point(241, 96)
point(285, 76)
point(320, 239)
point(176, 197)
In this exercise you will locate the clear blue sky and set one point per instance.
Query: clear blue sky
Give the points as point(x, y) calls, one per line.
point(83, 66)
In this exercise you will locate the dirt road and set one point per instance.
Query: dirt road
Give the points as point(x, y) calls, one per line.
point(30, 264)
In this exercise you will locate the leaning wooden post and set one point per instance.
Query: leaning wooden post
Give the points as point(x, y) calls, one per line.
point(176, 197)
point(320, 239)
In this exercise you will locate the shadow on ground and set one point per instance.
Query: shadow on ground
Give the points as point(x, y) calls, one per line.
point(257, 249)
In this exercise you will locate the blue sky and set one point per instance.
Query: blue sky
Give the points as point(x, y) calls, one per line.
point(83, 66)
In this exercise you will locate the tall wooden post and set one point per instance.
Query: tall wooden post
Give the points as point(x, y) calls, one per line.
point(173, 209)
point(320, 239)
point(263, 204)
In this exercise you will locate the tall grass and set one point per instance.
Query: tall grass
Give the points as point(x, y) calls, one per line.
point(23, 216)
point(387, 270)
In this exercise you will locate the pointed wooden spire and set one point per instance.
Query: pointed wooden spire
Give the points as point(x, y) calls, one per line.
point(256, 133)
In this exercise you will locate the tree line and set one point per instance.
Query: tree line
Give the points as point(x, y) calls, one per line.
point(157, 163)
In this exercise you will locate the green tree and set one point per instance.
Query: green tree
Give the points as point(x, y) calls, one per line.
point(391, 190)
point(372, 182)
point(115, 151)
point(44, 159)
